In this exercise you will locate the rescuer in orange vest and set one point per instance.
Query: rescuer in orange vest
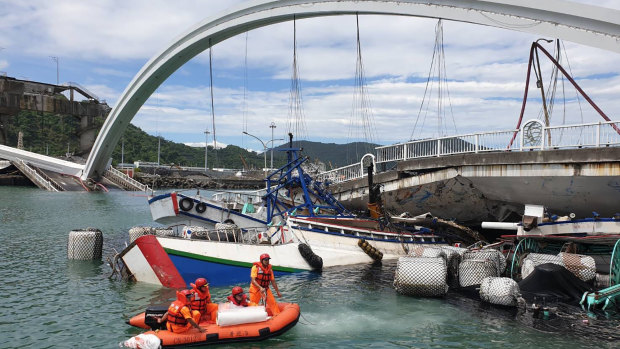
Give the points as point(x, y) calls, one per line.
point(179, 315)
point(201, 300)
point(262, 276)
point(239, 298)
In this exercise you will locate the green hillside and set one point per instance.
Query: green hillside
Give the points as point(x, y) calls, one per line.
point(56, 135)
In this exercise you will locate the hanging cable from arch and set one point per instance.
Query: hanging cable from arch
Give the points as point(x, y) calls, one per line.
point(296, 120)
point(361, 113)
point(437, 69)
point(212, 104)
point(245, 91)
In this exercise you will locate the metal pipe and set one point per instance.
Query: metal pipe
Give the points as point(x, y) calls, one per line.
point(500, 225)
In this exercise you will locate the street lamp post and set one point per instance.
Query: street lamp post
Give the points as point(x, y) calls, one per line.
point(264, 150)
point(55, 59)
point(271, 141)
point(206, 147)
point(272, 127)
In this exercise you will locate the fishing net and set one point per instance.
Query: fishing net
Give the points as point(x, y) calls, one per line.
point(454, 255)
point(490, 254)
point(427, 252)
point(551, 281)
point(584, 267)
point(534, 259)
point(85, 244)
point(421, 276)
point(164, 232)
point(136, 232)
point(500, 291)
point(473, 271)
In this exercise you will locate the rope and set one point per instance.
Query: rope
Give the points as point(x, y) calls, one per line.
point(308, 321)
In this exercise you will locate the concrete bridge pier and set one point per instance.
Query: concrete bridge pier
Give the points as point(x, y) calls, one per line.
point(87, 133)
point(4, 120)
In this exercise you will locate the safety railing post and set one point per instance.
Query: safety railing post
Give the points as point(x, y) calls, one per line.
point(598, 134)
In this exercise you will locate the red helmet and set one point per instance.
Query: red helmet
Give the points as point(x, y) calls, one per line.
point(184, 295)
point(264, 256)
point(237, 290)
point(201, 282)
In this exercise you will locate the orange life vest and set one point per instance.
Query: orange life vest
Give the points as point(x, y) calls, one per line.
point(174, 313)
point(243, 303)
point(200, 300)
point(264, 274)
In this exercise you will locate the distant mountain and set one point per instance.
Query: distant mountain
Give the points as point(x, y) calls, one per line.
point(140, 146)
point(46, 133)
point(332, 154)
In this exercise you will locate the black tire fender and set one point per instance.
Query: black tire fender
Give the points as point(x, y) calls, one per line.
point(201, 207)
point(186, 204)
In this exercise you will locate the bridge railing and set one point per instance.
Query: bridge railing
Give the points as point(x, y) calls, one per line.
point(533, 135)
point(40, 179)
point(342, 174)
point(467, 143)
point(252, 197)
point(124, 180)
point(601, 134)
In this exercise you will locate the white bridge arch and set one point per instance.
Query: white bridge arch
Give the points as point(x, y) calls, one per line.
point(588, 25)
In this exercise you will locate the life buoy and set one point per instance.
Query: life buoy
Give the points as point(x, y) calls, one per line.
point(201, 207)
point(186, 204)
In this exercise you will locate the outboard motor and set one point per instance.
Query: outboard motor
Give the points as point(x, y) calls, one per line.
point(153, 313)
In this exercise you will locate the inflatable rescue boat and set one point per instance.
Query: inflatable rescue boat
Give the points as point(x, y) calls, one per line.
point(233, 325)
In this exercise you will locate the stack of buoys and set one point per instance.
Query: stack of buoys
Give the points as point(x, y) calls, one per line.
point(422, 276)
point(488, 254)
point(164, 232)
point(532, 260)
point(136, 232)
point(370, 251)
point(315, 261)
point(454, 255)
point(473, 271)
point(85, 244)
point(582, 266)
point(500, 291)
point(195, 232)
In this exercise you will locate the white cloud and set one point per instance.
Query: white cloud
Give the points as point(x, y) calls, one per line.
point(211, 144)
point(102, 45)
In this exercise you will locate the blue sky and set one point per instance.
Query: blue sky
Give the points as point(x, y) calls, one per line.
point(102, 45)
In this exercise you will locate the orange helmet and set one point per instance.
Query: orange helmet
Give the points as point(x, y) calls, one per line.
point(201, 282)
point(237, 290)
point(264, 256)
point(184, 295)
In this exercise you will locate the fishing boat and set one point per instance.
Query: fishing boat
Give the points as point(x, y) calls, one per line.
point(233, 328)
point(306, 229)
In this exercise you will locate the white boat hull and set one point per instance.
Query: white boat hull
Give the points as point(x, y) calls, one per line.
point(167, 210)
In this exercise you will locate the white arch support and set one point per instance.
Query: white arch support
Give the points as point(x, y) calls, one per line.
point(588, 25)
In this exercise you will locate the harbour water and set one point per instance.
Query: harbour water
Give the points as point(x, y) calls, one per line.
point(49, 301)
